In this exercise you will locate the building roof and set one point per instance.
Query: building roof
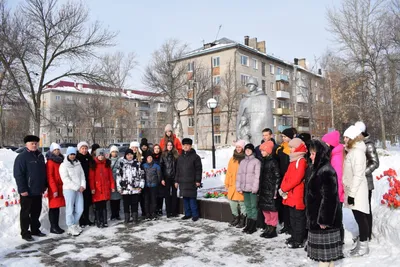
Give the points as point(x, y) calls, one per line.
point(73, 87)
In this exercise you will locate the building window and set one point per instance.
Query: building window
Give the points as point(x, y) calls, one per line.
point(271, 69)
point(272, 86)
point(217, 120)
point(58, 130)
point(215, 62)
point(217, 139)
point(77, 131)
point(254, 63)
point(263, 85)
point(216, 97)
point(57, 119)
point(244, 60)
point(68, 97)
point(112, 131)
point(69, 130)
point(58, 141)
point(263, 68)
point(316, 97)
point(273, 103)
point(244, 78)
point(58, 97)
point(216, 80)
point(274, 121)
point(70, 140)
point(191, 121)
point(279, 71)
point(191, 66)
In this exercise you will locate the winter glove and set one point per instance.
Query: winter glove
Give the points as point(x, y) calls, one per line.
point(350, 200)
point(141, 185)
point(282, 194)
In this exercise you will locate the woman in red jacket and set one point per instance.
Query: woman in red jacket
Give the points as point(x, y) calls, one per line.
point(292, 192)
point(55, 191)
point(170, 136)
point(101, 183)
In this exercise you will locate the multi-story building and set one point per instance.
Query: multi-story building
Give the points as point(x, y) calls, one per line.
point(297, 94)
point(74, 112)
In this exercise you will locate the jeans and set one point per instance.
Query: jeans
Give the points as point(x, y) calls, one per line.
point(190, 206)
point(150, 196)
point(31, 207)
point(250, 202)
point(271, 218)
point(235, 205)
point(73, 206)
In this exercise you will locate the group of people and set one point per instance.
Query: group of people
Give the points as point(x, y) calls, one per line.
point(81, 179)
point(304, 183)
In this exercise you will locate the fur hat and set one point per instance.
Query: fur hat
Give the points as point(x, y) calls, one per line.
point(288, 132)
point(240, 143)
point(71, 150)
point(134, 144)
point(352, 132)
point(168, 128)
point(187, 141)
point(114, 149)
point(54, 146)
point(81, 144)
point(144, 142)
point(295, 142)
point(95, 147)
point(100, 152)
point(250, 146)
point(267, 146)
point(31, 138)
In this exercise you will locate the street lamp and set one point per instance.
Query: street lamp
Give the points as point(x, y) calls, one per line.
point(212, 104)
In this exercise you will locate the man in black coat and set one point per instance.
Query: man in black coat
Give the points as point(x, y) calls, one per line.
point(188, 177)
point(30, 175)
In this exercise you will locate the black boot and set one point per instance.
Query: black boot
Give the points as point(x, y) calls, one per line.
point(105, 224)
point(272, 233)
point(252, 227)
point(248, 223)
point(235, 221)
point(126, 218)
point(57, 219)
point(98, 220)
point(135, 217)
point(242, 221)
point(266, 232)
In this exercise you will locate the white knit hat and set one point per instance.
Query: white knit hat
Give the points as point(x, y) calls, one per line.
point(168, 128)
point(134, 144)
point(114, 149)
point(352, 132)
point(360, 125)
point(81, 144)
point(54, 146)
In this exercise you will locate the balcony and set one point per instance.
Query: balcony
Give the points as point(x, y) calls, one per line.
point(303, 129)
point(282, 111)
point(281, 77)
point(303, 114)
point(161, 107)
point(301, 99)
point(282, 95)
point(281, 128)
point(144, 108)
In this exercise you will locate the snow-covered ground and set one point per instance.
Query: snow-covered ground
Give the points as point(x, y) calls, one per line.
point(172, 242)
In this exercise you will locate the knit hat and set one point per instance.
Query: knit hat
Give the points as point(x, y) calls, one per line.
point(295, 142)
point(288, 132)
point(134, 144)
point(100, 152)
point(305, 137)
point(240, 143)
point(144, 142)
point(95, 147)
point(71, 150)
point(54, 146)
point(31, 138)
point(250, 146)
point(81, 144)
point(332, 138)
point(187, 141)
point(128, 151)
point(114, 149)
point(352, 132)
point(267, 146)
point(168, 128)
point(360, 125)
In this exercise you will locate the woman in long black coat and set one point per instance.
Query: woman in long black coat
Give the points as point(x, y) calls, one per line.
point(323, 209)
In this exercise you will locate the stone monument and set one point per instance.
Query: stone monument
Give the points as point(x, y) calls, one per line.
point(255, 114)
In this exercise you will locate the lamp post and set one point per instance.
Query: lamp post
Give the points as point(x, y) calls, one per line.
point(212, 104)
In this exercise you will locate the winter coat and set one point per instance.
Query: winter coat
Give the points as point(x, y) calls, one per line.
point(101, 180)
point(30, 172)
point(248, 176)
point(130, 177)
point(230, 180)
point(72, 175)
point(86, 161)
point(372, 161)
point(168, 166)
point(321, 197)
point(157, 158)
point(188, 172)
point(337, 157)
point(175, 140)
point(54, 180)
point(282, 154)
point(153, 175)
point(354, 180)
point(270, 180)
point(114, 166)
point(293, 184)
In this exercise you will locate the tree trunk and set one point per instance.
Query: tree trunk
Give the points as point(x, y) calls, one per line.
point(383, 128)
point(228, 122)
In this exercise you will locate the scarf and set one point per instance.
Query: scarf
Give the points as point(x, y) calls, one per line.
point(55, 158)
point(238, 156)
point(285, 148)
point(298, 153)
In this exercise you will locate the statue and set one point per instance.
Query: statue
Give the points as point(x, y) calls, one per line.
point(255, 114)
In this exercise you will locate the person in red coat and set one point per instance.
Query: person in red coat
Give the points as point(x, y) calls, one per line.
point(55, 189)
point(292, 192)
point(170, 136)
point(102, 184)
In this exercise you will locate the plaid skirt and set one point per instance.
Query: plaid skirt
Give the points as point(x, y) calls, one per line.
point(324, 245)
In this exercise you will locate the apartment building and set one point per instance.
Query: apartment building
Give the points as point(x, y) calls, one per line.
point(74, 112)
point(297, 94)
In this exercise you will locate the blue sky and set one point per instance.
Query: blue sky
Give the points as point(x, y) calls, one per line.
point(291, 28)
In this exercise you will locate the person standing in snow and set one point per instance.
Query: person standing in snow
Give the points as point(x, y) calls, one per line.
point(74, 183)
point(55, 191)
point(168, 167)
point(188, 178)
point(236, 199)
point(101, 182)
point(323, 209)
point(247, 182)
point(115, 201)
point(356, 186)
point(372, 165)
point(30, 175)
point(170, 136)
point(153, 177)
point(157, 155)
point(145, 148)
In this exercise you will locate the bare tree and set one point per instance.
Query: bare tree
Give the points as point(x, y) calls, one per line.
point(43, 35)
